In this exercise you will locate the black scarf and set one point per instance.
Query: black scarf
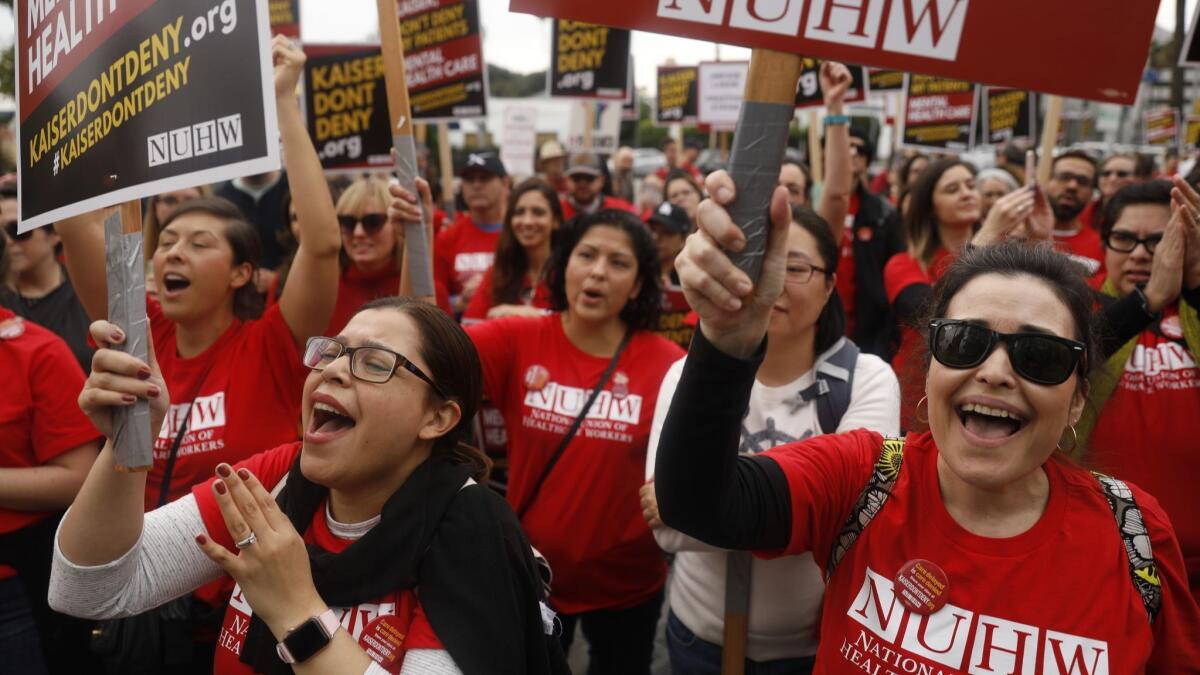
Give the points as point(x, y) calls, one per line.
point(456, 556)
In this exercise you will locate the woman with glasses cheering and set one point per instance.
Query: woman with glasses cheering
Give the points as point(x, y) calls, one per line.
point(1143, 421)
point(963, 549)
point(329, 538)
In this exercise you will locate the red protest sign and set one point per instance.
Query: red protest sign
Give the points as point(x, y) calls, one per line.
point(949, 38)
point(1162, 126)
point(285, 17)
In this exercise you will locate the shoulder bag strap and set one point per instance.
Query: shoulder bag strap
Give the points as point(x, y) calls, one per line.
point(562, 446)
point(165, 488)
point(870, 501)
point(1135, 537)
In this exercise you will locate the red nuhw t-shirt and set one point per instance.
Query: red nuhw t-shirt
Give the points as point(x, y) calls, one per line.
point(846, 286)
point(587, 518)
point(901, 272)
point(39, 410)
point(270, 467)
point(1084, 247)
point(1149, 428)
point(246, 390)
point(1057, 598)
point(482, 302)
point(461, 252)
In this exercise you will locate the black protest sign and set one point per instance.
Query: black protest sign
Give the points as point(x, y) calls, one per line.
point(1190, 54)
point(940, 113)
point(588, 61)
point(1008, 114)
point(678, 99)
point(345, 106)
point(443, 59)
point(808, 89)
point(882, 81)
point(631, 110)
point(120, 101)
point(285, 17)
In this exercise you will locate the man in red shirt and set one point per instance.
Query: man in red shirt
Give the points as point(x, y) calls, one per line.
point(1072, 181)
point(671, 149)
point(463, 251)
point(586, 177)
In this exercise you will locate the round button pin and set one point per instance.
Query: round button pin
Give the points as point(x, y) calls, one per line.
point(383, 640)
point(922, 586)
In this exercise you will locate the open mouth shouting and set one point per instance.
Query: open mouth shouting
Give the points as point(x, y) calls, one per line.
point(989, 426)
point(174, 283)
point(328, 420)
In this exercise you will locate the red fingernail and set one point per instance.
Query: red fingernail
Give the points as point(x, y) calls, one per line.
point(116, 336)
point(144, 374)
point(219, 486)
point(128, 398)
point(201, 539)
point(224, 470)
point(244, 474)
point(153, 392)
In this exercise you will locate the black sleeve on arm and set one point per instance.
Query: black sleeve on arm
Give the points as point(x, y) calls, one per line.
point(1121, 321)
point(1191, 296)
point(704, 489)
point(911, 302)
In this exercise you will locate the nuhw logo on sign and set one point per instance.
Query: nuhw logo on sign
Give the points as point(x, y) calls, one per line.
point(196, 140)
point(929, 28)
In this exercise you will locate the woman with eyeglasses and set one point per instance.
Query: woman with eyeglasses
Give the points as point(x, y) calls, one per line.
point(963, 549)
point(366, 547)
point(233, 367)
point(1143, 423)
point(812, 381)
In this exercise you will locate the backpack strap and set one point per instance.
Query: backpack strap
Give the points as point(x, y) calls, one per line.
point(870, 501)
point(831, 391)
point(1142, 569)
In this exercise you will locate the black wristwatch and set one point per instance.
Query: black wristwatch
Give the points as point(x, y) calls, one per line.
point(310, 637)
point(1144, 302)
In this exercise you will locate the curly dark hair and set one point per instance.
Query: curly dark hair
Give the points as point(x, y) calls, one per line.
point(640, 313)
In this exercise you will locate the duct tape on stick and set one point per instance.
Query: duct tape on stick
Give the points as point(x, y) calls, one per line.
point(758, 148)
point(416, 245)
point(133, 445)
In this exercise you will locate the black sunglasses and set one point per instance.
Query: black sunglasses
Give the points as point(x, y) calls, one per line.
point(1037, 357)
point(371, 222)
point(369, 364)
point(1124, 242)
point(10, 228)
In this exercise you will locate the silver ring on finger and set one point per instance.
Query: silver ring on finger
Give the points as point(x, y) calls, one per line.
point(247, 542)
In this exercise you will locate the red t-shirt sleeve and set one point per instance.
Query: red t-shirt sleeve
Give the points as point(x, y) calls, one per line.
point(275, 348)
point(1176, 648)
point(443, 258)
point(268, 467)
point(825, 475)
point(58, 424)
point(481, 302)
point(902, 271)
point(496, 342)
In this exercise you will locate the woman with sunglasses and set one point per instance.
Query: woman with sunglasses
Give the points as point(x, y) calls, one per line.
point(232, 366)
point(329, 538)
point(1142, 423)
point(962, 549)
point(806, 350)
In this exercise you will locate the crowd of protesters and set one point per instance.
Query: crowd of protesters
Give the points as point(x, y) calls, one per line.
point(599, 427)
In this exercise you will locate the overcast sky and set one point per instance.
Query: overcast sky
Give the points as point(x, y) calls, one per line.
point(521, 42)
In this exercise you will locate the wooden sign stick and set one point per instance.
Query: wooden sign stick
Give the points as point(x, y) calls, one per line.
point(445, 161)
point(758, 146)
point(125, 270)
point(417, 247)
point(1054, 108)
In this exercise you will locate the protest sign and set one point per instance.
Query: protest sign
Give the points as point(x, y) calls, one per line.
point(605, 134)
point(808, 91)
point(1191, 134)
point(950, 38)
point(1008, 114)
point(588, 61)
point(632, 110)
point(939, 113)
point(678, 97)
point(518, 139)
point(883, 81)
point(720, 89)
point(1190, 54)
point(1162, 127)
point(444, 65)
point(345, 106)
point(122, 100)
point(285, 17)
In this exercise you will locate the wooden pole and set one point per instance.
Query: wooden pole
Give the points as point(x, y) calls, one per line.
point(1054, 108)
point(422, 133)
point(724, 146)
point(417, 248)
point(816, 156)
point(589, 123)
point(446, 163)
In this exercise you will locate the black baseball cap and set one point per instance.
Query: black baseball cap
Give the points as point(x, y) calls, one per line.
point(486, 161)
point(672, 218)
point(585, 163)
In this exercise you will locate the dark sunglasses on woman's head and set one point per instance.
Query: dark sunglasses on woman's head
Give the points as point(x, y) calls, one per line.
point(371, 222)
point(1037, 357)
point(1125, 242)
point(10, 228)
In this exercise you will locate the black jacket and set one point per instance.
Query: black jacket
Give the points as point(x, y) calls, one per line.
point(876, 237)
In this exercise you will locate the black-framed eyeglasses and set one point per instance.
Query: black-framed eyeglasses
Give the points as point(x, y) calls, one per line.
point(1126, 242)
point(1067, 177)
point(371, 222)
point(802, 273)
point(10, 228)
point(369, 364)
point(1115, 173)
point(1037, 357)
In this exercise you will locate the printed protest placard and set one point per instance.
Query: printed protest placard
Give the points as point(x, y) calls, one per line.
point(882, 81)
point(124, 99)
point(631, 111)
point(588, 61)
point(1191, 133)
point(950, 38)
point(1162, 126)
point(1190, 54)
point(678, 97)
point(940, 113)
point(606, 127)
point(345, 106)
point(443, 59)
point(808, 90)
point(1008, 114)
point(720, 90)
point(285, 17)
point(518, 139)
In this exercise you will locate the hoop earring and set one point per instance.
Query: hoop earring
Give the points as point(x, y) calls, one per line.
point(917, 411)
point(1074, 442)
